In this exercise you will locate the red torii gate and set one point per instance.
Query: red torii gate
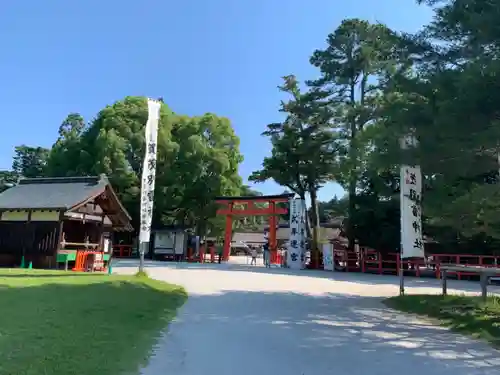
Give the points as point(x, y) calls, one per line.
point(232, 207)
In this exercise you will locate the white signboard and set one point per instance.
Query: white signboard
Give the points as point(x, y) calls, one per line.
point(328, 257)
point(106, 246)
point(412, 244)
point(164, 243)
point(149, 170)
point(296, 244)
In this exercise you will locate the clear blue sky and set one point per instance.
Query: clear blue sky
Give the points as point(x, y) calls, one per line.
point(221, 56)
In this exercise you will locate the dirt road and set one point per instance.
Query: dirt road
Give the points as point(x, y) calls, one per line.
point(247, 321)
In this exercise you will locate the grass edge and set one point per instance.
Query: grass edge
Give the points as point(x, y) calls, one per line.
point(448, 323)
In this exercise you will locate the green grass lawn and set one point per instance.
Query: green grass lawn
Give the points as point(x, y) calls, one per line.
point(62, 323)
point(463, 314)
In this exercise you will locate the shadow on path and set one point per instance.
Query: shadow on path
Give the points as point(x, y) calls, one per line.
point(352, 277)
point(290, 333)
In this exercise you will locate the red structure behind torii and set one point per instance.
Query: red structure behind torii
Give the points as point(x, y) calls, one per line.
point(245, 206)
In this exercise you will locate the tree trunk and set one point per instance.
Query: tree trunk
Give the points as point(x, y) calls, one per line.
point(352, 176)
point(352, 211)
point(316, 228)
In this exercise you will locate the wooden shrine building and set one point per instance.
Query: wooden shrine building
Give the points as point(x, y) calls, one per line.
point(47, 220)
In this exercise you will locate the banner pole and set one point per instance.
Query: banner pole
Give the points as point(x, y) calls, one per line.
point(148, 177)
point(412, 242)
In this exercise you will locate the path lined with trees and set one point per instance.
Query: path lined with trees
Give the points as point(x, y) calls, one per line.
point(372, 86)
point(343, 124)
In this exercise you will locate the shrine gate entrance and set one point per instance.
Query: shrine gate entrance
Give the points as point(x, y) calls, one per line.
point(263, 205)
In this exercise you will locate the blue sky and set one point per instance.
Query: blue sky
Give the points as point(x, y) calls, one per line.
point(220, 56)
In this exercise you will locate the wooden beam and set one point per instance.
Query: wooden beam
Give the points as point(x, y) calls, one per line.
point(60, 235)
point(89, 199)
point(255, 211)
point(259, 200)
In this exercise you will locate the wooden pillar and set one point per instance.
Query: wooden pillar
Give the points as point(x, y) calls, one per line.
point(60, 238)
point(101, 232)
point(228, 235)
point(28, 237)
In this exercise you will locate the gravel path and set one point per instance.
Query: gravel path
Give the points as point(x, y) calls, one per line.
point(248, 321)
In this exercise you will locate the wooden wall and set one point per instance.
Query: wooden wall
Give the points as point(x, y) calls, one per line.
point(37, 240)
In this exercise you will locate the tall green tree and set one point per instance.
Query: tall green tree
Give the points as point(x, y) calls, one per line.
point(7, 180)
point(250, 223)
point(66, 155)
point(356, 55)
point(204, 166)
point(469, 28)
point(333, 209)
point(30, 161)
point(449, 103)
point(305, 152)
point(197, 160)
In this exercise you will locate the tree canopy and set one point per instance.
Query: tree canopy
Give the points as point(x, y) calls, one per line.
point(372, 86)
point(198, 159)
point(375, 85)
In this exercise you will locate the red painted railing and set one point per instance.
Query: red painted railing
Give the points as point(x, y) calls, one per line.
point(465, 259)
point(373, 261)
point(346, 259)
point(366, 260)
point(122, 251)
point(82, 261)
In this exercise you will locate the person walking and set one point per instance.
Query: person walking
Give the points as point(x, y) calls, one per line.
point(267, 255)
point(220, 251)
point(253, 253)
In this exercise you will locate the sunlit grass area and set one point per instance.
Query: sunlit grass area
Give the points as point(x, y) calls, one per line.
point(62, 323)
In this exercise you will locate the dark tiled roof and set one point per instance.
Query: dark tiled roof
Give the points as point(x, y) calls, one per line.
point(51, 193)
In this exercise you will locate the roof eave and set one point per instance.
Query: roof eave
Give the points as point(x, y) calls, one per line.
point(33, 208)
point(103, 185)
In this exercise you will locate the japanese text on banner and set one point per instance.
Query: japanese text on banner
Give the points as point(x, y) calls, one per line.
point(149, 170)
point(411, 212)
point(296, 245)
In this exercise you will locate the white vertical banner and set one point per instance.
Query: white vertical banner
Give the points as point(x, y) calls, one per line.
point(296, 243)
point(412, 244)
point(302, 231)
point(149, 170)
point(328, 257)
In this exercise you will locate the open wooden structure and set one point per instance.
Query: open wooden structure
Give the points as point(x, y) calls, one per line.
point(246, 206)
point(49, 220)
